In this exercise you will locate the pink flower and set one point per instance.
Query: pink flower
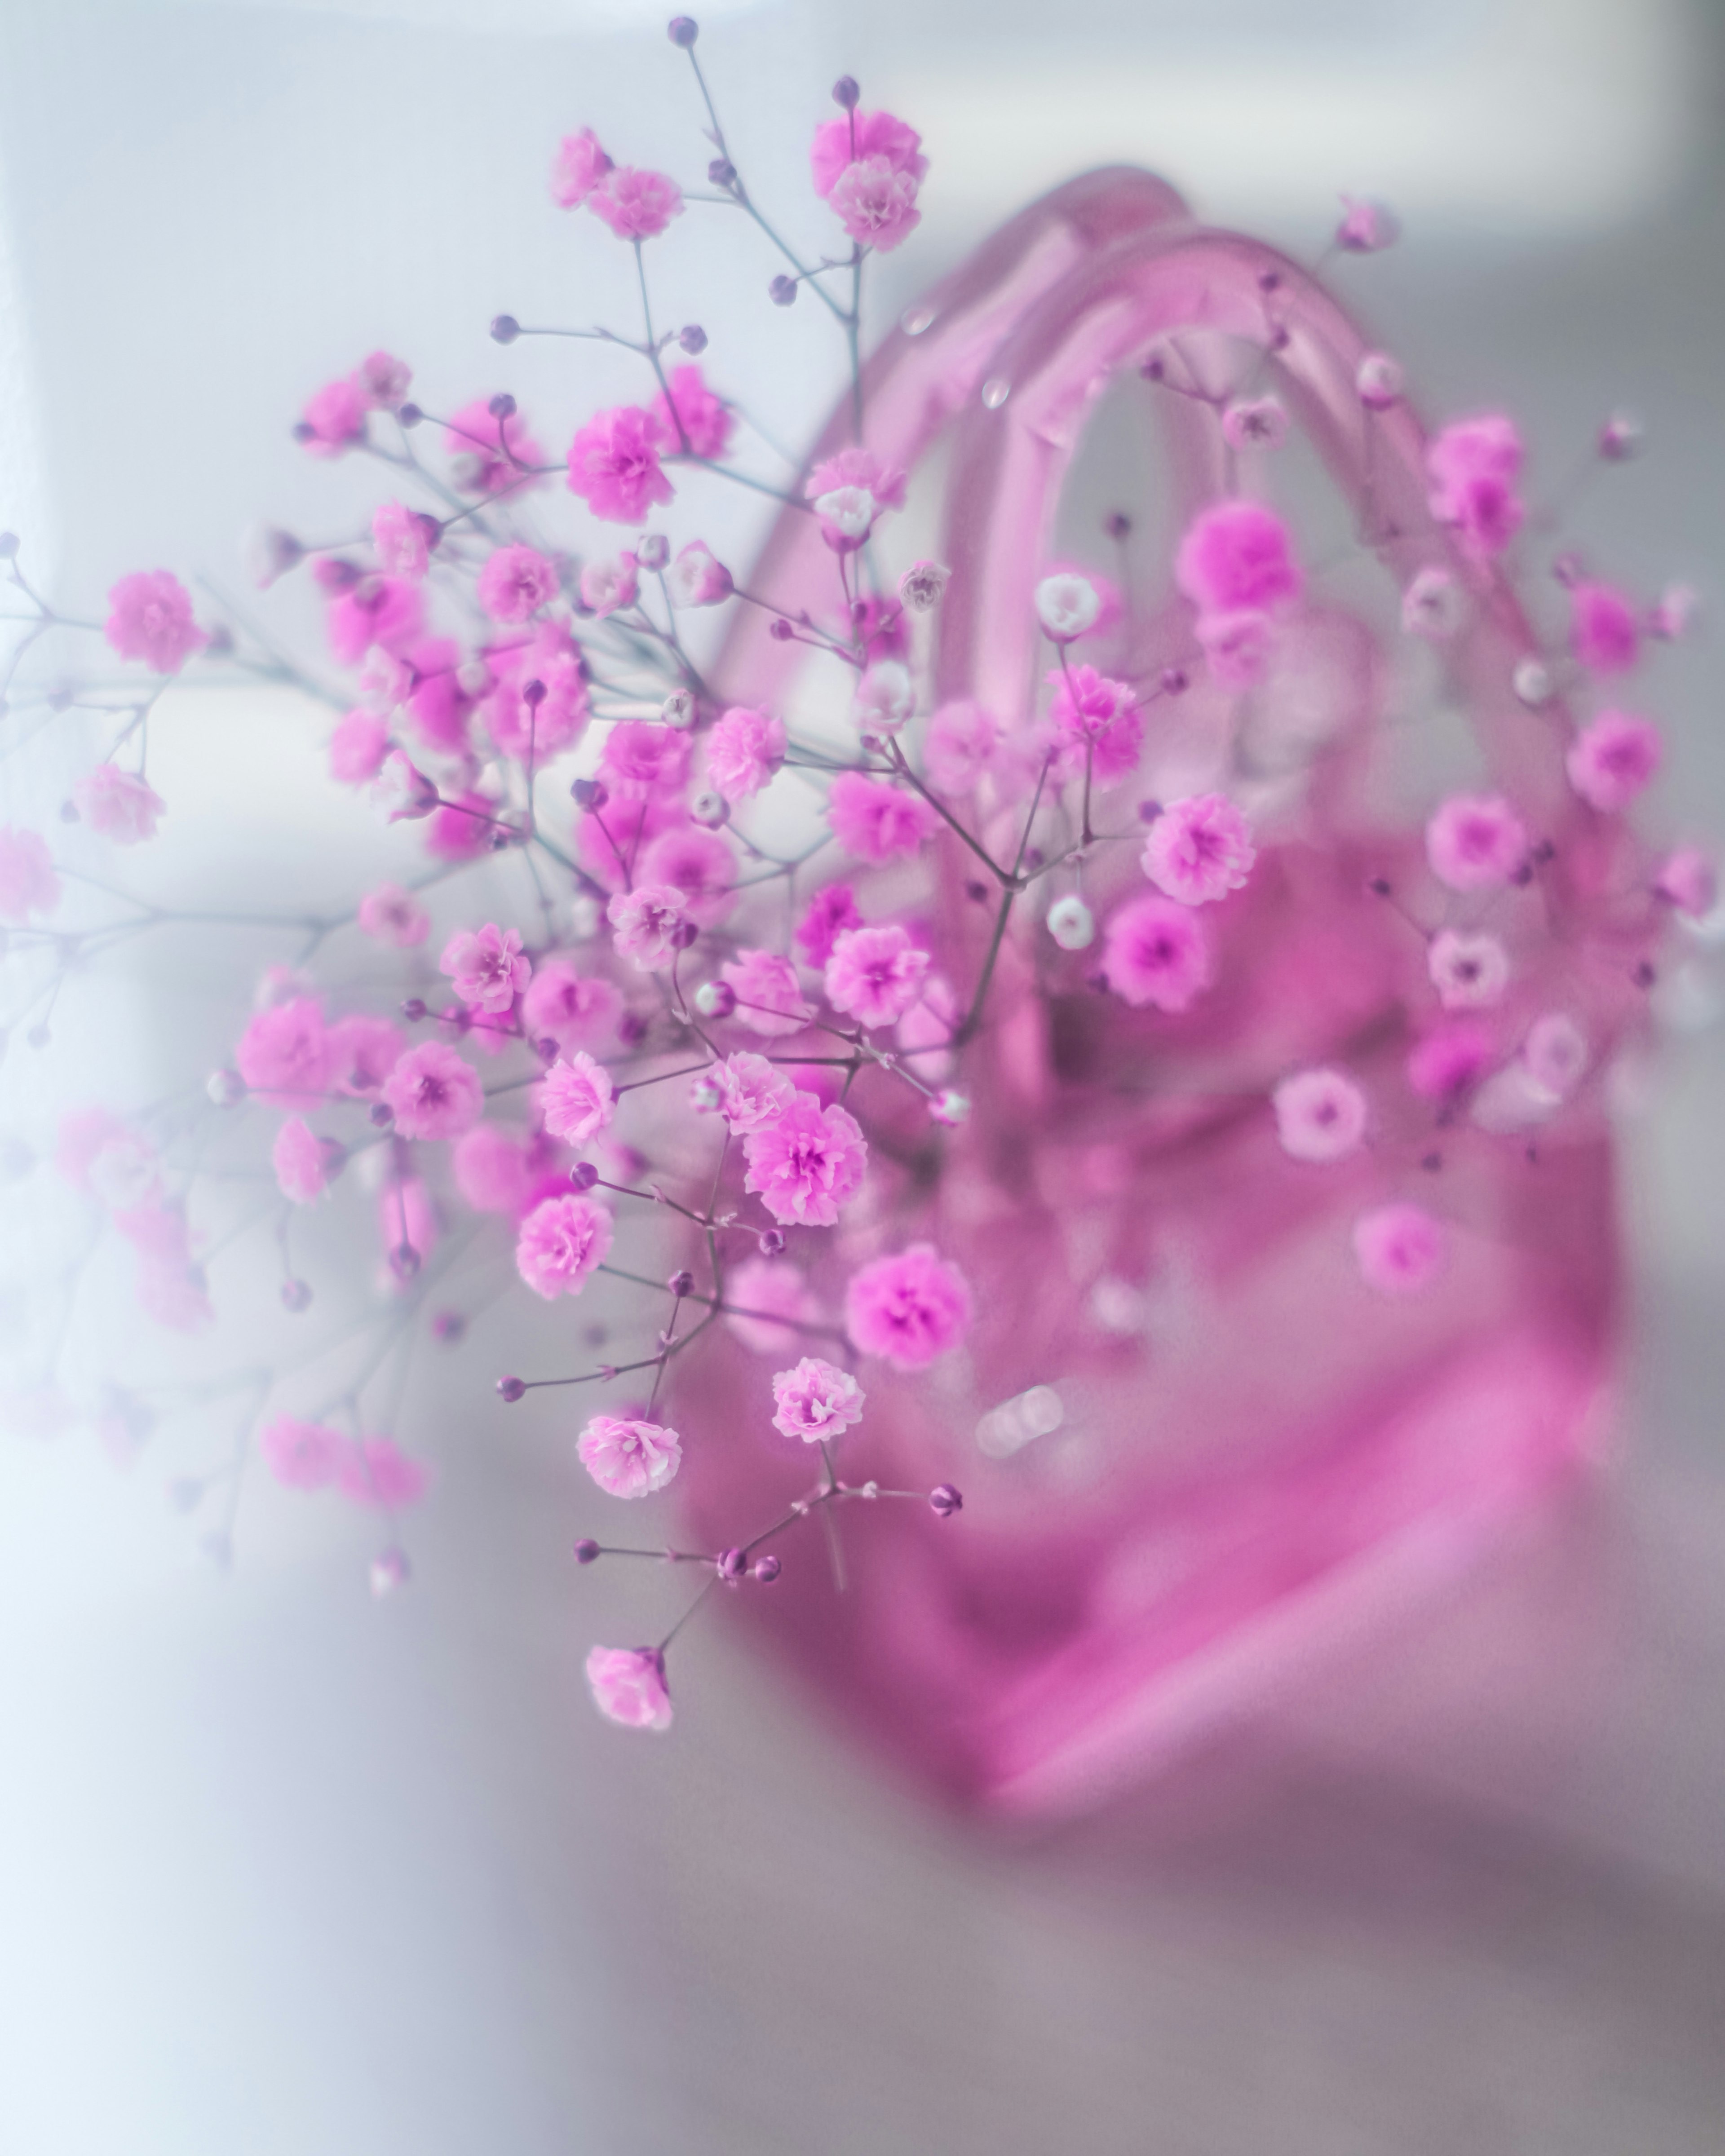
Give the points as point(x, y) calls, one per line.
point(1610, 761)
point(1432, 605)
point(876, 205)
point(118, 804)
point(959, 746)
point(374, 1471)
point(84, 1134)
point(636, 205)
point(357, 748)
point(303, 1456)
point(171, 1288)
point(769, 999)
point(1320, 1116)
point(877, 821)
point(1155, 953)
point(401, 791)
point(125, 1172)
point(875, 975)
point(645, 924)
point(151, 620)
point(743, 750)
point(1689, 881)
point(1099, 714)
point(334, 419)
point(885, 698)
point(560, 1242)
point(838, 143)
point(1606, 632)
point(432, 1093)
point(284, 1054)
point(643, 755)
point(629, 1458)
point(575, 1099)
point(910, 1308)
point(628, 1686)
point(515, 583)
point(859, 468)
point(806, 1163)
point(1236, 645)
point(1468, 972)
point(363, 1050)
point(578, 167)
point(1474, 841)
point(1447, 1062)
point(377, 610)
point(877, 623)
point(1236, 554)
point(700, 865)
point(461, 828)
point(492, 1170)
point(28, 882)
point(752, 1092)
point(518, 726)
point(1472, 466)
point(561, 1006)
point(490, 453)
point(1400, 1249)
point(816, 1401)
point(696, 579)
point(923, 584)
point(829, 913)
point(391, 915)
point(767, 1303)
point(1069, 604)
point(486, 967)
point(707, 419)
point(383, 381)
point(847, 516)
point(609, 587)
point(1199, 850)
point(300, 1162)
point(1554, 1054)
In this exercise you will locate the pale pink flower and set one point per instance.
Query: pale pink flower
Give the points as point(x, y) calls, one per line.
point(1432, 605)
point(486, 966)
point(374, 1471)
point(383, 381)
point(1468, 972)
point(1380, 380)
point(284, 1054)
point(438, 703)
point(493, 1171)
point(636, 204)
point(884, 699)
point(643, 755)
point(628, 1457)
point(752, 1092)
point(377, 610)
point(401, 792)
point(645, 923)
point(358, 746)
point(827, 915)
point(1069, 604)
point(492, 452)
point(82, 1134)
point(696, 579)
point(1199, 849)
point(874, 974)
point(767, 1303)
point(125, 1172)
point(1155, 954)
point(28, 882)
point(151, 620)
point(402, 537)
point(1366, 226)
point(1603, 624)
point(707, 419)
point(1099, 715)
point(1473, 467)
point(1255, 422)
point(520, 728)
point(807, 1162)
point(1555, 1053)
point(432, 1093)
point(1234, 556)
point(1236, 645)
point(363, 1049)
point(769, 998)
point(391, 915)
point(578, 167)
point(875, 204)
point(515, 583)
point(743, 750)
point(959, 746)
point(613, 464)
point(909, 1308)
point(118, 804)
point(700, 865)
point(922, 585)
point(302, 1456)
point(1448, 1061)
point(1611, 760)
point(838, 143)
point(1689, 881)
point(1474, 841)
point(334, 419)
point(560, 1005)
point(847, 515)
point(561, 1242)
point(816, 1401)
point(1670, 616)
point(301, 1165)
point(1320, 1116)
point(462, 827)
point(877, 821)
point(1400, 1248)
point(629, 1688)
point(172, 1290)
point(575, 1099)
point(857, 467)
point(609, 587)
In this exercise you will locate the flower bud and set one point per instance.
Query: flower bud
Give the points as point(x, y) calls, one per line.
point(771, 1242)
point(944, 1500)
point(586, 1550)
point(845, 93)
point(732, 1564)
point(767, 1569)
point(583, 1175)
point(501, 406)
point(653, 552)
point(226, 1088)
point(678, 710)
point(505, 329)
point(511, 1389)
point(1071, 923)
point(682, 30)
point(681, 1284)
point(716, 999)
point(693, 339)
point(710, 808)
point(295, 1295)
point(410, 415)
point(783, 291)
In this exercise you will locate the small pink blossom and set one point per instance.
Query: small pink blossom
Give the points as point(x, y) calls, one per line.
point(438, 704)
point(462, 826)
point(1236, 554)
point(609, 587)
point(1610, 761)
point(518, 726)
point(118, 804)
point(885, 698)
point(1476, 842)
point(876, 821)
point(284, 1054)
point(847, 516)
point(1555, 1054)
point(492, 454)
point(334, 419)
point(874, 974)
point(363, 1050)
point(909, 1308)
point(1400, 1249)
point(1379, 379)
point(838, 143)
point(816, 1401)
point(627, 1457)
point(636, 205)
point(125, 1172)
point(700, 865)
point(515, 583)
point(561, 1006)
point(493, 1170)
point(860, 468)
point(1237, 645)
point(1100, 715)
point(960, 746)
point(827, 915)
point(28, 882)
point(923, 585)
point(358, 746)
point(769, 998)
point(707, 420)
point(383, 381)
point(391, 915)
point(561, 1242)
point(877, 625)
point(1155, 954)
point(1432, 605)
point(486, 966)
point(1320, 1116)
point(875, 204)
point(643, 755)
point(1688, 881)
point(806, 1163)
point(374, 1471)
point(377, 610)
point(696, 579)
point(82, 1135)
point(1468, 972)
point(432, 1093)
point(578, 167)
point(151, 619)
point(1450, 1060)
point(1199, 849)
point(752, 1092)
point(401, 792)
point(767, 1304)
point(629, 1688)
point(1255, 422)
point(575, 1099)
point(743, 750)
point(302, 1455)
point(1606, 630)
point(1473, 467)
point(614, 464)
point(301, 1165)
point(645, 924)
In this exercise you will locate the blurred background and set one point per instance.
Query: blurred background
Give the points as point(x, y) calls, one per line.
point(286, 1873)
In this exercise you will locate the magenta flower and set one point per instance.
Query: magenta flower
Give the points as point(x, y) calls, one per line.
point(857, 467)
point(876, 205)
point(518, 726)
point(1320, 1116)
point(560, 1242)
point(838, 143)
point(827, 915)
point(357, 748)
point(461, 828)
point(401, 792)
point(696, 579)
point(636, 205)
point(877, 821)
point(959, 746)
point(1468, 972)
point(645, 925)
point(875, 974)
point(1401, 1248)
point(1199, 850)
point(391, 915)
point(118, 804)
point(1475, 842)
point(432, 1093)
point(909, 1308)
point(284, 1054)
point(743, 750)
point(302, 1456)
point(1606, 631)
point(363, 1050)
point(492, 453)
point(707, 419)
point(388, 611)
point(151, 620)
point(629, 1458)
point(300, 1163)
point(1155, 954)
point(1450, 1060)
point(1236, 645)
point(752, 1092)
point(767, 1303)
point(492, 1170)
point(816, 1401)
point(806, 1162)
point(515, 583)
point(575, 1099)
point(486, 966)
point(1610, 761)
point(629, 1688)
point(609, 587)
point(578, 167)
point(334, 419)
point(374, 1471)
point(560, 1006)
point(643, 755)
point(28, 882)
point(769, 998)
point(1473, 467)
point(700, 865)
point(1689, 881)
point(1236, 554)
